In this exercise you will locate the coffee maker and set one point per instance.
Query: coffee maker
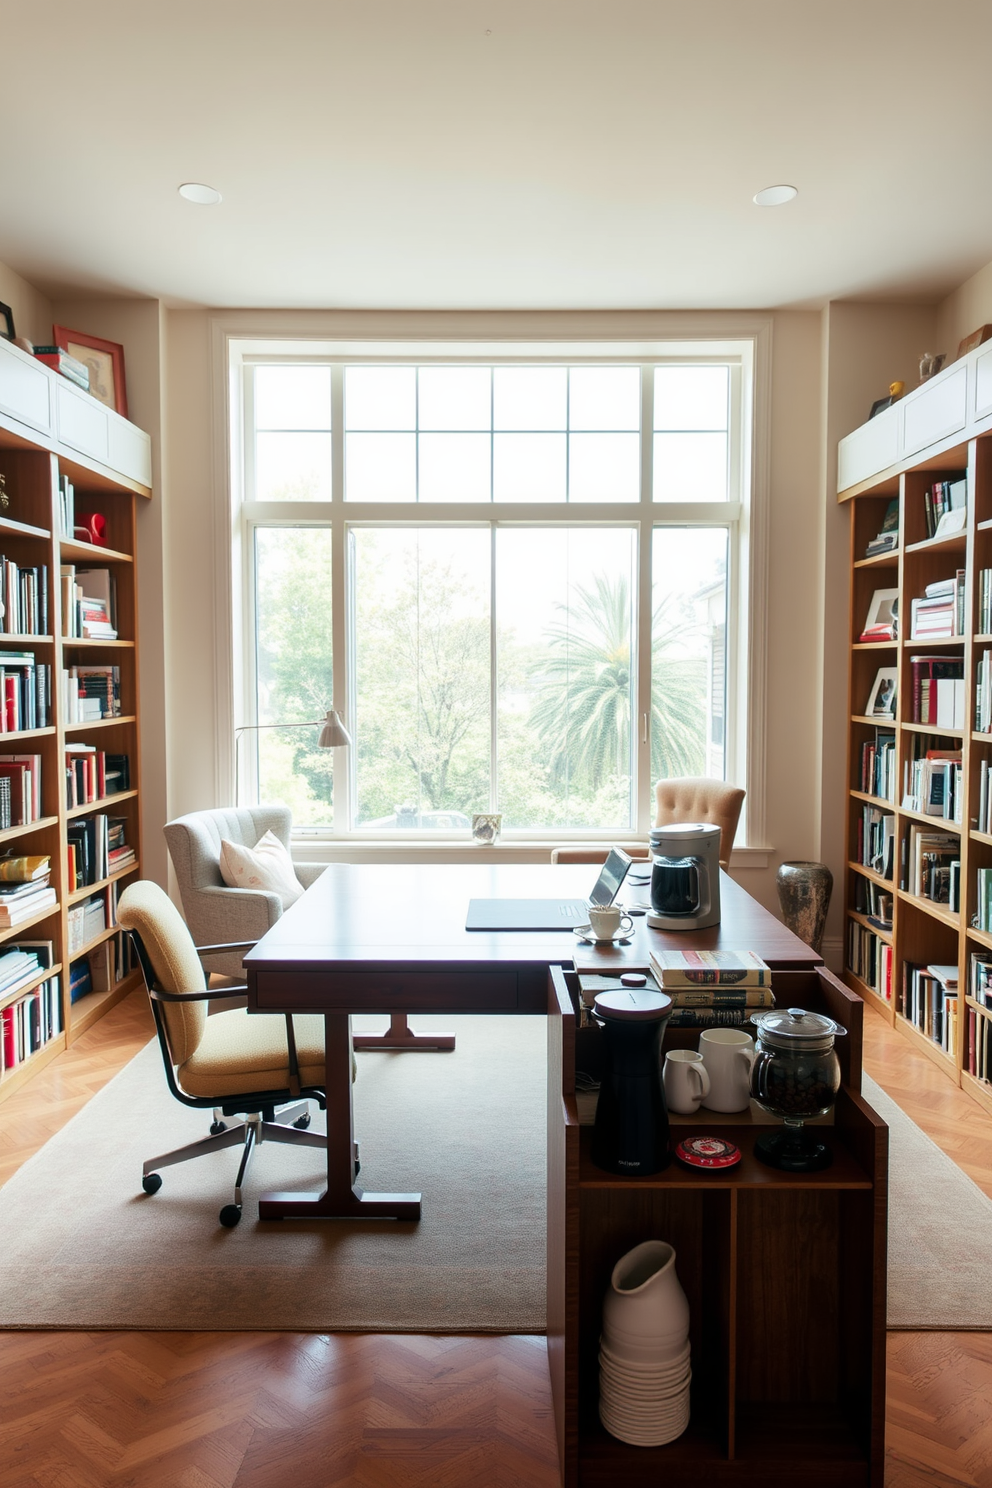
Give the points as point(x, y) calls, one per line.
point(685, 876)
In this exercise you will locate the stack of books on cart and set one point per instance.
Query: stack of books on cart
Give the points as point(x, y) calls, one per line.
point(712, 988)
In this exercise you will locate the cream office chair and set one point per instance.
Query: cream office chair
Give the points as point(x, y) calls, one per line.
point(688, 798)
point(216, 913)
point(235, 1064)
point(693, 798)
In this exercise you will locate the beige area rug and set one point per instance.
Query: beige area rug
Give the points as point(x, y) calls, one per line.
point(83, 1247)
point(940, 1229)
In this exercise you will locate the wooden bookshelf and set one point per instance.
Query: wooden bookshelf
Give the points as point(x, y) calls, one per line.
point(922, 932)
point(50, 431)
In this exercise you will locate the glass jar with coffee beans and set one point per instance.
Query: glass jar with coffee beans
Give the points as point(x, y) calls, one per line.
point(795, 1076)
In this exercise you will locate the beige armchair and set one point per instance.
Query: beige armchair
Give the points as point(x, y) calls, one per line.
point(693, 798)
point(216, 913)
point(236, 1064)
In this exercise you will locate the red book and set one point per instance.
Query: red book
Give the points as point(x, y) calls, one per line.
point(9, 1039)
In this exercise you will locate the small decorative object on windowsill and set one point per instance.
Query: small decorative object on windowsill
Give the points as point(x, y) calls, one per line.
point(930, 364)
point(804, 891)
point(486, 827)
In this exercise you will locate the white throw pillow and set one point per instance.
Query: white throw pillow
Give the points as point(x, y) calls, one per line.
point(267, 865)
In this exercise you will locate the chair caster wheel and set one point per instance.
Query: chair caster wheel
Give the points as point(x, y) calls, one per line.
point(230, 1215)
point(151, 1182)
point(302, 1122)
point(216, 1127)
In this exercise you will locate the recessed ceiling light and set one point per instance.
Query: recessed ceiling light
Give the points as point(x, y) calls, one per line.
point(775, 196)
point(204, 196)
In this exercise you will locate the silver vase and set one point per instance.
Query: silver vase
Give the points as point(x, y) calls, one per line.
point(804, 891)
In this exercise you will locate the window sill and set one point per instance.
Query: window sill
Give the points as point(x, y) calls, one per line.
point(400, 850)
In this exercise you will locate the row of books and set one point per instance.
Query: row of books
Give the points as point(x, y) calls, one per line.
point(931, 866)
point(29, 1023)
point(978, 1055)
point(934, 784)
point(878, 766)
point(982, 918)
point(983, 816)
point(929, 1000)
point(20, 797)
point(983, 693)
point(874, 902)
point(87, 920)
point(25, 692)
point(888, 534)
point(67, 506)
point(102, 967)
point(24, 598)
point(938, 694)
point(940, 611)
point(942, 498)
point(96, 848)
point(984, 617)
point(876, 840)
point(90, 693)
point(89, 603)
point(92, 774)
point(870, 958)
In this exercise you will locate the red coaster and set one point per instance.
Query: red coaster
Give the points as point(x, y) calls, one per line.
point(708, 1152)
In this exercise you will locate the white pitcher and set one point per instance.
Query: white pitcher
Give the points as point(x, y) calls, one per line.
point(645, 1312)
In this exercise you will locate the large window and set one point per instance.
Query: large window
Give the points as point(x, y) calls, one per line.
point(515, 579)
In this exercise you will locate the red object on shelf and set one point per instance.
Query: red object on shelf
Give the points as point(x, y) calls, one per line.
point(94, 527)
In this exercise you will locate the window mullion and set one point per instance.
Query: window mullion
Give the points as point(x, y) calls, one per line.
point(342, 649)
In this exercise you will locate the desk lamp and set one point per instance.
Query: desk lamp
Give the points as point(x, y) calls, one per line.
point(333, 735)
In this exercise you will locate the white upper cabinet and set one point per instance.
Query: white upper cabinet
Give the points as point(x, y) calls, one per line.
point(69, 420)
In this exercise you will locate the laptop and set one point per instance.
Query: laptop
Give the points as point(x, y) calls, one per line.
point(550, 914)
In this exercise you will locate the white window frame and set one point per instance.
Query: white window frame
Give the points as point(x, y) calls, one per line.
point(745, 516)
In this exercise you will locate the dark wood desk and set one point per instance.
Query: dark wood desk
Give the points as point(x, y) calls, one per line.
point(382, 938)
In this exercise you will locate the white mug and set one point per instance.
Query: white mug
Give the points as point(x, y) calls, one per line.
point(608, 921)
point(728, 1054)
point(686, 1081)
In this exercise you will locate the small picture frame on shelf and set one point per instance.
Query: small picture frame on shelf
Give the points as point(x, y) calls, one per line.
point(881, 404)
point(882, 622)
point(104, 361)
point(977, 338)
point(882, 699)
point(7, 323)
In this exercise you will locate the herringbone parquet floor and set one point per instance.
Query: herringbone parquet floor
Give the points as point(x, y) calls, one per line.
point(243, 1410)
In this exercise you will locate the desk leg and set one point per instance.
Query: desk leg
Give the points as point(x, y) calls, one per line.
point(341, 1200)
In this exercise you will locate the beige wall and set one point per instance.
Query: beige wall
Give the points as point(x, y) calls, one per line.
point(967, 308)
point(32, 312)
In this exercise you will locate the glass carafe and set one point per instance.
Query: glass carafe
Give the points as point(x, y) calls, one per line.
point(795, 1076)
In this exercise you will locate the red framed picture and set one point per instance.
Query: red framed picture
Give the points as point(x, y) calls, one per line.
point(105, 361)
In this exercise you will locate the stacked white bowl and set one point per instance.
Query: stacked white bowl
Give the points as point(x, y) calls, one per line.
point(644, 1371)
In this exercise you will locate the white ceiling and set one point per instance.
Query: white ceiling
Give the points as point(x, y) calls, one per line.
point(496, 153)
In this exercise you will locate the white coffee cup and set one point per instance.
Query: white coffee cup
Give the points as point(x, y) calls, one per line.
point(608, 921)
point(686, 1081)
point(728, 1054)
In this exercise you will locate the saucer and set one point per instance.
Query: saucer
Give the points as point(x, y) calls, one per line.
point(584, 933)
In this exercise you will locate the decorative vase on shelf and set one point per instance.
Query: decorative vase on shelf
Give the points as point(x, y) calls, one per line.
point(804, 891)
